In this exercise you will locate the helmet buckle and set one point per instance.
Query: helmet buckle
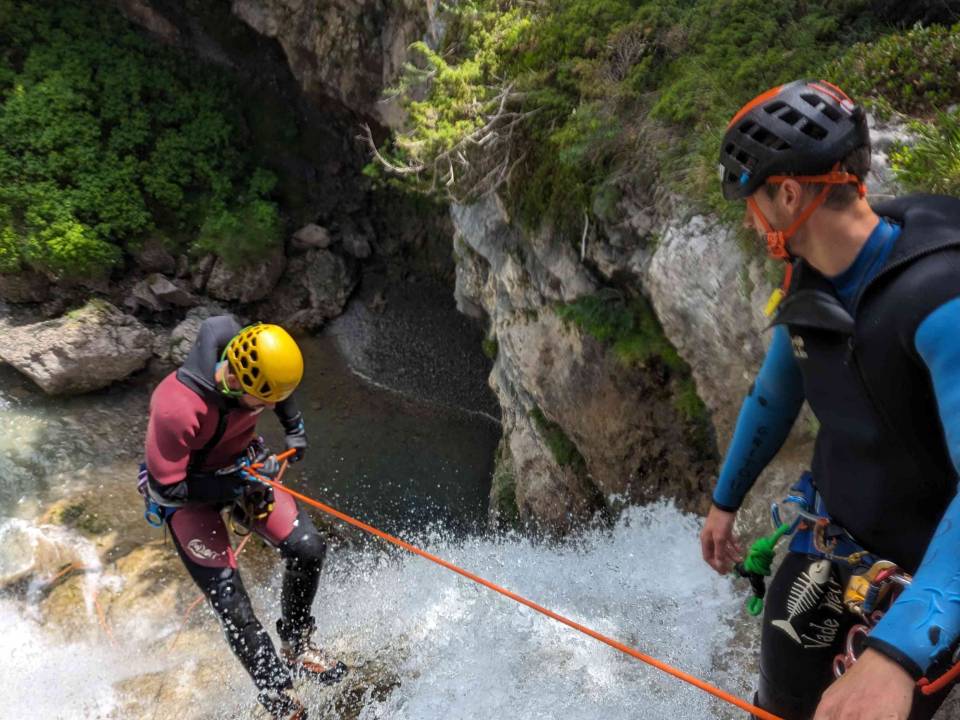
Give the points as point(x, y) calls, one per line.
point(777, 245)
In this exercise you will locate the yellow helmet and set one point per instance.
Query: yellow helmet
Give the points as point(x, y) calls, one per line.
point(267, 362)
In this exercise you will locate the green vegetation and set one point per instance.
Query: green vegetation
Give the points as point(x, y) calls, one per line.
point(628, 325)
point(105, 136)
point(914, 72)
point(490, 347)
point(933, 163)
point(77, 514)
point(561, 447)
point(551, 102)
point(503, 489)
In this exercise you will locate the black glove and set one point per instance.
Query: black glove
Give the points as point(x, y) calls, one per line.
point(296, 437)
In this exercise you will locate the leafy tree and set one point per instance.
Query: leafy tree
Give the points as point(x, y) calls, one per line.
point(105, 137)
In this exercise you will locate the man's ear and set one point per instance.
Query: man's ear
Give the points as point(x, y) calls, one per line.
point(791, 196)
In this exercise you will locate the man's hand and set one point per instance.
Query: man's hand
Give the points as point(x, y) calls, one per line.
point(720, 548)
point(875, 688)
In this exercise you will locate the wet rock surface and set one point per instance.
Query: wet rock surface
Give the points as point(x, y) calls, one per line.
point(85, 350)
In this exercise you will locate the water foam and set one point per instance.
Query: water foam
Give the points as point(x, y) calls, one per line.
point(458, 650)
point(461, 651)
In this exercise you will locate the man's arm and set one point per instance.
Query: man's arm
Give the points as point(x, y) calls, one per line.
point(765, 419)
point(925, 619)
point(295, 433)
point(766, 416)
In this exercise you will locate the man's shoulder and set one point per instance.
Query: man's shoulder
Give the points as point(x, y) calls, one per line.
point(173, 400)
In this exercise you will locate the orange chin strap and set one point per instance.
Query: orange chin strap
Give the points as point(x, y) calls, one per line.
point(777, 239)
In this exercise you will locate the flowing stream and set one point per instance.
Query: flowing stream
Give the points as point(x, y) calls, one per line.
point(423, 643)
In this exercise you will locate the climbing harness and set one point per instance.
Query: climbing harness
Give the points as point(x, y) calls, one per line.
point(153, 512)
point(686, 677)
point(873, 586)
point(257, 501)
point(866, 595)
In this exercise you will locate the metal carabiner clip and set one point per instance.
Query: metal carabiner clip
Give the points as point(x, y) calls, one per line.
point(801, 510)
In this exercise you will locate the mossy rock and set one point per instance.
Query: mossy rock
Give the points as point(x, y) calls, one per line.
point(79, 514)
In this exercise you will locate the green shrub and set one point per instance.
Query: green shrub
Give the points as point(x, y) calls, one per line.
point(503, 487)
point(630, 327)
point(932, 164)
point(603, 87)
point(561, 447)
point(913, 72)
point(490, 347)
point(247, 229)
point(105, 136)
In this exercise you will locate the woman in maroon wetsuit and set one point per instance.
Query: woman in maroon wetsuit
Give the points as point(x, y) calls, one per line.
point(202, 419)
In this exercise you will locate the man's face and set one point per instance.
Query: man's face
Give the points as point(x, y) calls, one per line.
point(246, 400)
point(252, 403)
point(770, 210)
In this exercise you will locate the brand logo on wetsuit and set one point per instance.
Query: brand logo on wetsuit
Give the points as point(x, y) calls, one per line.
point(197, 547)
point(799, 351)
point(814, 590)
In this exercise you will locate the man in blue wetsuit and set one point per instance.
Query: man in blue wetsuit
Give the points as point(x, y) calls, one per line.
point(869, 335)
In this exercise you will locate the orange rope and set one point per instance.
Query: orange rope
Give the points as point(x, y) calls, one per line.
point(101, 615)
point(686, 677)
point(103, 620)
point(928, 687)
point(68, 568)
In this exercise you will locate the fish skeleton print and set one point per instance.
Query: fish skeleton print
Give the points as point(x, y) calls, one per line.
point(812, 589)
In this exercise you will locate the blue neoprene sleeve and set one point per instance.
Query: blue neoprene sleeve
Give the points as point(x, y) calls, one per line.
point(925, 619)
point(765, 419)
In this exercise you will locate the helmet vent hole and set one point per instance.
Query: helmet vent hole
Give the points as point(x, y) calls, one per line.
point(774, 107)
point(747, 127)
point(265, 388)
point(255, 371)
point(245, 378)
point(790, 117)
point(765, 137)
point(822, 105)
point(813, 130)
point(245, 346)
point(244, 363)
point(253, 355)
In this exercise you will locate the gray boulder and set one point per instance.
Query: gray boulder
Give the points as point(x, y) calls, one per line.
point(311, 236)
point(169, 292)
point(185, 334)
point(84, 350)
point(247, 283)
point(314, 289)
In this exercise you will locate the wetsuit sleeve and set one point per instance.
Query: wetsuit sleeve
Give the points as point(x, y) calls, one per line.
point(925, 619)
point(765, 419)
point(289, 414)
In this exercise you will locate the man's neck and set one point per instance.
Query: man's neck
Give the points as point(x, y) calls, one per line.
point(834, 238)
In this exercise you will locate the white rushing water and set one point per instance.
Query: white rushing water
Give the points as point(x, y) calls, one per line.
point(446, 648)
